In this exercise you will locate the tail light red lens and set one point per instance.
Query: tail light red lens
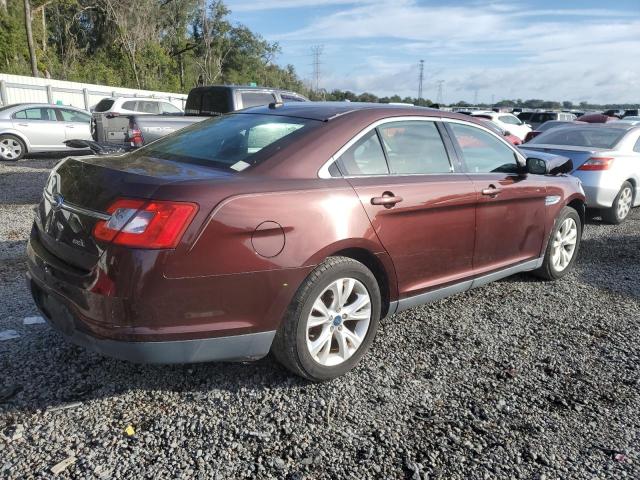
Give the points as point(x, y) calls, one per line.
point(134, 135)
point(597, 163)
point(145, 223)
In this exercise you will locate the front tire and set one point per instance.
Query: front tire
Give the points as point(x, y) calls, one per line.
point(621, 207)
point(12, 148)
point(563, 246)
point(331, 321)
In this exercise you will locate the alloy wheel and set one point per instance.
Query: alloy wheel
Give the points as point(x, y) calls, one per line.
point(10, 149)
point(564, 244)
point(624, 203)
point(338, 322)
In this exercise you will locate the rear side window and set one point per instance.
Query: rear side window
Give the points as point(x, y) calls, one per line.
point(483, 152)
point(232, 142)
point(525, 116)
point(104, 105)
point(130, 105)
point(148, 107)
point(414, 147)
point(210, 101)
point(73, 116)
point(365, 157)
point(36, 114)
point(254, 99)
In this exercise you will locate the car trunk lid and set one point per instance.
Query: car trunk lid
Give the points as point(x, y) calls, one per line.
point(80, 190)
point(578, 155)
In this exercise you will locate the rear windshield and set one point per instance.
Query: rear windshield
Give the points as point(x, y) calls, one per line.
point(104, 105)
point(551, 124)
point(525, 116)
point(581, 137)
point(542, 117)
point(233, 141)
point(210, 101)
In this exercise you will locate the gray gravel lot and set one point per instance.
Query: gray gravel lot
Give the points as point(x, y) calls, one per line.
point(519, 379)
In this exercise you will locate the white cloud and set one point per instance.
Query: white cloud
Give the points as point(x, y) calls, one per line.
point(529, 53)
point(252, 5)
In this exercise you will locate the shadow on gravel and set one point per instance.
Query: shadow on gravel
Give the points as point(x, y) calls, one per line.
point(48, 373)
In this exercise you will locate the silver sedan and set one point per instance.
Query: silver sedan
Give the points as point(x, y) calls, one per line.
point(606, 158)
point(40, 127)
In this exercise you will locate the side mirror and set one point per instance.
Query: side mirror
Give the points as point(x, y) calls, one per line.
point(506, 133)
point(554, 165)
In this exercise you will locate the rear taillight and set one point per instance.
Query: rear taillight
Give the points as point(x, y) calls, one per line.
point(134, 135)
point(597, 163)
point(145, 223)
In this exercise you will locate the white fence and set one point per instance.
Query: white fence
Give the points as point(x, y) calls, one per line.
point(21, 89)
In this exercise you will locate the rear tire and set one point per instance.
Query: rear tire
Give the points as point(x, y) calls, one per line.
point(12, 148)
point(331, 321)
point(563, 247)
point(621, 207)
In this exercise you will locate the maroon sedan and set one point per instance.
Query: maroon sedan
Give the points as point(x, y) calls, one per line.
point(292, 228)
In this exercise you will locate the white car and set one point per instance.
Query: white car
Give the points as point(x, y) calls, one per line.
point(507, 122)
point(105, 131)
point(40, 127)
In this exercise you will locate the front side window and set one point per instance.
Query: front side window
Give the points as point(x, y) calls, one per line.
point(74, 116)
point(170, 108)
point(36, 114)
point(483, 152)
point(254, 99)
point(365, 157)
point(232, 142)
point(414, 147)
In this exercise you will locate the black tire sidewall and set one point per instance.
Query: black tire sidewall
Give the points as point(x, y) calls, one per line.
point(351, 269)
point(564, 214)
point(22, 145)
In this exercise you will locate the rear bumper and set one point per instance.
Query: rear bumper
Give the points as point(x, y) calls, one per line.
point(59, 315)
point(600, 192)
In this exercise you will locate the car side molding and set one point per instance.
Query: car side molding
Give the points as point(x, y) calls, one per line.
point(440, 293)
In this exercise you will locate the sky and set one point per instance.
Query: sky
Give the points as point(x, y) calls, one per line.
point(576, 50)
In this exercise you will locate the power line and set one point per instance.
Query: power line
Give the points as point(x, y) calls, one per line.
point(420, 79)
point(316, 51)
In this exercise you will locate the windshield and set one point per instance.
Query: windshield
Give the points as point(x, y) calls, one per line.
point(581, 137)
point(230, 141)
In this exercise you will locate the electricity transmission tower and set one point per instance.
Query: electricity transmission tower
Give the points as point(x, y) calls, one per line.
point(316, 51)
point(439, 96)
point(420, 79)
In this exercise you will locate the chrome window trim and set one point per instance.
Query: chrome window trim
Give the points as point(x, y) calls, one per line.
point(323, 172)
point(70, 207)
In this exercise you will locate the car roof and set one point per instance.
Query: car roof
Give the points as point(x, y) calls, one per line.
point(39, 105)
point(327, 111)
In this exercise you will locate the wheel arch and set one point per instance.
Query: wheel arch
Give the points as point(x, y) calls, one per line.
point(579, 205)
point(20, 135)
point(386, 280)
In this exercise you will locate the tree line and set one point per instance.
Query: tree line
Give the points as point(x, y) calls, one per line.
point(169, 45)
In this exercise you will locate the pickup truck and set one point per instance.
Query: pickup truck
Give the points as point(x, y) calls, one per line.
point(202, 103)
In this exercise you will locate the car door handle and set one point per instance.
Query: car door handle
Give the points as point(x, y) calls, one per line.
point(70, 126)
point(492, 191)
point(387, 200)
point(23, 124)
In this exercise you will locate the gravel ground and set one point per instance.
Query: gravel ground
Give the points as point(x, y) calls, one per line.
point(519, 379)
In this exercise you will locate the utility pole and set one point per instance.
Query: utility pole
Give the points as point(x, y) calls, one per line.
point(475, 97)
point(439, 96)
point(493, 99)
point(316, 51)
point(420, 79)
point(32, 48)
